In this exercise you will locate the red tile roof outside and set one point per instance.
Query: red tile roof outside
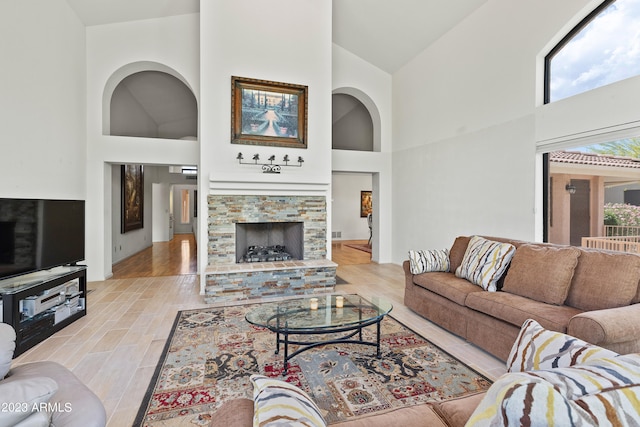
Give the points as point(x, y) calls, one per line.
point(579, 158)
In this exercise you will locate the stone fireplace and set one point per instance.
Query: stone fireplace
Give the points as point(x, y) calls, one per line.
point(297, 223)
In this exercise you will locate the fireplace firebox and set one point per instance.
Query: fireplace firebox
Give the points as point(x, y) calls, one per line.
point(269, 241)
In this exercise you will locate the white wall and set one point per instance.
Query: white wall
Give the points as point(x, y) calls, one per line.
point(114, 51)
point(42, 82)
point(465, 126)
point(286, 41)
point(128, 117)
point(372, 86)
point(161, 219)
point(345, 192)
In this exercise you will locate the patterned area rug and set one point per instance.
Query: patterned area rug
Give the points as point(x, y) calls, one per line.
point(211, 353)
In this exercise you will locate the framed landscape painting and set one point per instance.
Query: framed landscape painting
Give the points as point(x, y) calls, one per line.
point(132, 197)
point(268, 113)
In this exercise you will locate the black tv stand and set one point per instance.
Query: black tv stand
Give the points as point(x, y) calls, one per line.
point(39, 304)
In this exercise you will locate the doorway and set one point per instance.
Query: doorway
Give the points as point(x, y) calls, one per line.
point(579, 211)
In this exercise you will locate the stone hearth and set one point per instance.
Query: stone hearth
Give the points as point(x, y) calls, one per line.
point(227, 280)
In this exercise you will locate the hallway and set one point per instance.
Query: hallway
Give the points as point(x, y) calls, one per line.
point(172, 258)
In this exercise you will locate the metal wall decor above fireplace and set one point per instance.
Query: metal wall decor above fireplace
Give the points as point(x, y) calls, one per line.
point(269, 241)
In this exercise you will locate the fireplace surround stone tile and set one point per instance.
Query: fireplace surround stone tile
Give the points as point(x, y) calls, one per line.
point(227, 280)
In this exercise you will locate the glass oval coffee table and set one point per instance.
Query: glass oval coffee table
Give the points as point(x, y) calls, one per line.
point(326, 322)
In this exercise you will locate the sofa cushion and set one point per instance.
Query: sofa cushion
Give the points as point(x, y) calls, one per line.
point(446, 285)
point(515, 309)
point(542, 273)
point(425, 261)
point(234, 413)
point(278, 403)
point(7, 347)
point(20, 397)
point(536, 348)
point(456, 253)
point(456, 412)
point(484, 262)
point(604, 280)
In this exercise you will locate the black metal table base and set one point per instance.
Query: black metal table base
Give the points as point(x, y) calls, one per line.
point(308, 345)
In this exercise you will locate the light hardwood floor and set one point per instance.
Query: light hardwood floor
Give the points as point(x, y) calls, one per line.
point(115, 348)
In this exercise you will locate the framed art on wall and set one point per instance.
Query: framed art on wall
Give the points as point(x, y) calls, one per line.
point(365, 203)
point(268, 113)
point(132, 197)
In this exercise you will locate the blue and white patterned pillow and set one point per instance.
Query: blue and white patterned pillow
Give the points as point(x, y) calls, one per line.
point(485, 261)
point(429, 260)
point(278, 403)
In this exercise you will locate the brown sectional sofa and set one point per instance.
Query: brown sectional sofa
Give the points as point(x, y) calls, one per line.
point(590, 294)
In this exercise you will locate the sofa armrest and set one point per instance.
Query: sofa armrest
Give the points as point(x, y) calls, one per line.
point(78, 405)
point(408, 276)
point(609, 327)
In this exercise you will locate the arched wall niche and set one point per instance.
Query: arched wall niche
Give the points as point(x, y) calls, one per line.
point(371, 108)
point(125, 73)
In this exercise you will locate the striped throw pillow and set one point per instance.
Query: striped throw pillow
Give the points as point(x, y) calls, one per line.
point(485, 261)
point(602, 392)
point(536, 348)
point(428, 261)
point(278, 403)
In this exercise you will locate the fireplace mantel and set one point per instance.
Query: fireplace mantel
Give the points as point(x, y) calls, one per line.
point(262, 183)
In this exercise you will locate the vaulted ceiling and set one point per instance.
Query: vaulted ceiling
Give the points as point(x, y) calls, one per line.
point(385, 33)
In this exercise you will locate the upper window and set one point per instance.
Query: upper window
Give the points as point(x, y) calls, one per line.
point(604, 48)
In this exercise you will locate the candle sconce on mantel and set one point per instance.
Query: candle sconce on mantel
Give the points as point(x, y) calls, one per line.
point(270, 167)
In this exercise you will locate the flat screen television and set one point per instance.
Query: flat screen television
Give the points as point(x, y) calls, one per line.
point(40, 234)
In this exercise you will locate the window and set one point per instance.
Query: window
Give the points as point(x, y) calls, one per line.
point(604, 48)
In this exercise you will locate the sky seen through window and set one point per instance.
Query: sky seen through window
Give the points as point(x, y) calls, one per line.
point(605, 51)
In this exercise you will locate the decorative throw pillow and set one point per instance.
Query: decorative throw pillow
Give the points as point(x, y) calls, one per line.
point(7, 347)
point(23, 397)
point(520, 399)
point(542, 273)
point(623, 398)
point(537, 348)
point(278, 403)
point(574, 395)
point(429, 260)
point(484, 262)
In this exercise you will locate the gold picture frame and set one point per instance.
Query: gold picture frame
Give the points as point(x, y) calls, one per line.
point(268, 113)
